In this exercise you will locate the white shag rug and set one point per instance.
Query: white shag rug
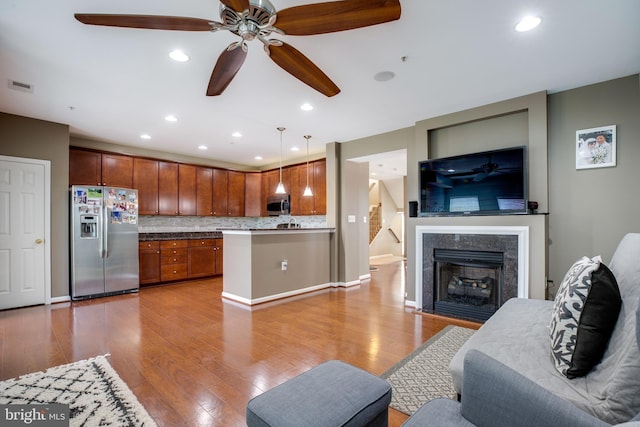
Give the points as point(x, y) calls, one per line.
point(96, 395)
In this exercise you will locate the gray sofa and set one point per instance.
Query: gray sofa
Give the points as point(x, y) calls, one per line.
point(515, 346)
point(497, 396)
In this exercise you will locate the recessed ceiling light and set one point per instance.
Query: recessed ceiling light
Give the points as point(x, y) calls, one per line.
point(306, 107)
point(528, 23)
point(258, 157)
point(171, 118)
point(295, 149)
point(236, 135)
point(384, 76)
point(178, 55)
point(145, 136)
point(202, 147)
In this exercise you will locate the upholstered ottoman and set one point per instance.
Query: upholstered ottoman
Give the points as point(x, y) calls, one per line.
point(332, 394)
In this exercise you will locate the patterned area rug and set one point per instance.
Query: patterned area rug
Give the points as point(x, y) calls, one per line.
point(93, 390)
point(424, 374)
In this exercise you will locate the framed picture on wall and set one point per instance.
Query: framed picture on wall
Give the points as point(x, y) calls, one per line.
point(596, 147)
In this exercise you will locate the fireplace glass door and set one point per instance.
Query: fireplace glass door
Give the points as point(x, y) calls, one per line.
point(467, 284)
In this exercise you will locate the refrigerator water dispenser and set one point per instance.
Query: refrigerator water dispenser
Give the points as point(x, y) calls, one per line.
point(89, 226)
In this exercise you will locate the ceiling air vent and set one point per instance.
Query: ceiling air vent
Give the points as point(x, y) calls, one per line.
point(22, 87)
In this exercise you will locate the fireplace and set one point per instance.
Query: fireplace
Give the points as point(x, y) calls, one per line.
point(496, 258)
point(467, 283)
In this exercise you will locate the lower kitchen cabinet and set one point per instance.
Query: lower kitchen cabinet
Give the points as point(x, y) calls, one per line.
point(202, 258)
point(171, 260)
point(173, 263)
point(149, 262)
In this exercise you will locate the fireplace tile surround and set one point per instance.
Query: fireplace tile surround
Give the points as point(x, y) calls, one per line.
point(512, 240)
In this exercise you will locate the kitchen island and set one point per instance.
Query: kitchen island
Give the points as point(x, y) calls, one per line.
point(262, 265)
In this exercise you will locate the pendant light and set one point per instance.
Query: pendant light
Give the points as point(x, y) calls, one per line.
point(307, 189)
point(280, 188)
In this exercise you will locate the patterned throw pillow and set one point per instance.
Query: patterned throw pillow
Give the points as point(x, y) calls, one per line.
point(585, 312)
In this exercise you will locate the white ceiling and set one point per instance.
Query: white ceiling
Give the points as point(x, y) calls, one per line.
point(113, 84)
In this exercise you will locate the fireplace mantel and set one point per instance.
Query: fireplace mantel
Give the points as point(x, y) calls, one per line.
point(522, 233)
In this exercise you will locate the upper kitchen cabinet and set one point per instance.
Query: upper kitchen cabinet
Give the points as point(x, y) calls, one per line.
point(145, 180)
point(204, 191)
point(309, 205)
point(95, 168)
point(235, 193)
point(270, 181)
point(252, 194)
point(167, 188)
point(85, 167)
point(228, 192)
point(117, 170)
point(186, 189)
point(319, 186)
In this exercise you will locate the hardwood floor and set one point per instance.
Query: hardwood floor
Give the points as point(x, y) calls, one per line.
point(193, 359)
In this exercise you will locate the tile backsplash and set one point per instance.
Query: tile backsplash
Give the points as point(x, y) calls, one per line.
point(168, 224)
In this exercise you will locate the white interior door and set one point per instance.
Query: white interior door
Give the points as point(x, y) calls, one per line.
point(23, 227)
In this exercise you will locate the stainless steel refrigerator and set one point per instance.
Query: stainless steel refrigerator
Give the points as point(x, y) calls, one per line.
point(104, 241)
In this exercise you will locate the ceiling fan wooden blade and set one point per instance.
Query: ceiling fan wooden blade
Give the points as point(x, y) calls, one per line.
point(227, 66)
point(145, 21)
point(320, 18)
point(237, 5)
point(295, 63)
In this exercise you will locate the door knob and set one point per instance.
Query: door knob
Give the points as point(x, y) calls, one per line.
point(38, 241)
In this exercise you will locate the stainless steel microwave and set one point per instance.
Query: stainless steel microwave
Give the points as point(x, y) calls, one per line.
point(278, 204)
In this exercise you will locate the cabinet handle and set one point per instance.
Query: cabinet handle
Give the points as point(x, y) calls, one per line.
point(157, 252)
point(174, 260)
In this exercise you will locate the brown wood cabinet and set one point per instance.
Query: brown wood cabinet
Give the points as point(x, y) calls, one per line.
point(94, 168)
point(173, 262)
point(117, 170)
point(270, 181)
point(204, 191)
point(218, 249)
point(149, 262)
point(220, 199)
point(85, 167)
point(228, 192)
point(170, 188)
point(145, 179)
point(203, 258)
point(167, 188)
point(235, 193)
point(252, 194)
point(319, 187)
point(186, 189)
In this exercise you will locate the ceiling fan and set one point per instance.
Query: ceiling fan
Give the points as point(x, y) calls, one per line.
point(257, 19)
point(489, 169)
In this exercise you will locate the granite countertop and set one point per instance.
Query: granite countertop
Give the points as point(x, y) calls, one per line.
point(182, 235)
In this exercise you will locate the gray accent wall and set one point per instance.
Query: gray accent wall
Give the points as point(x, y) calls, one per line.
point(39, 139)
point(592, 209)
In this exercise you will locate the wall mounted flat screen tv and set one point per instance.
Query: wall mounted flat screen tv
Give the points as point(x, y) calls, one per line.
point(487, 183)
